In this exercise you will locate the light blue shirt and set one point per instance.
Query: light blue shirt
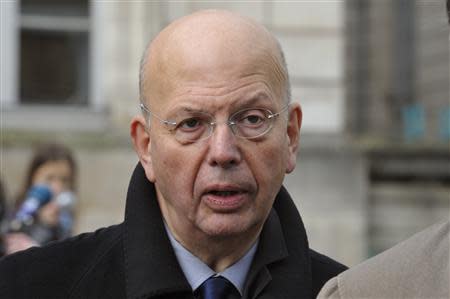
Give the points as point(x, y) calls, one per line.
point(197, 272)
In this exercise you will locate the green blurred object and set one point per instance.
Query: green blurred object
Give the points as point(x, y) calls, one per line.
point(444, 124)
point(413, 117)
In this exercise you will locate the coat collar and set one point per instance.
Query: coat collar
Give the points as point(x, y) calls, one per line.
point(151, 267)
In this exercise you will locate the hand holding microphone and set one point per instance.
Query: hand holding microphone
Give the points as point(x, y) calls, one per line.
point(37, 196)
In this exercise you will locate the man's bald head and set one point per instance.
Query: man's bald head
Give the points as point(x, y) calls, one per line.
point(209, 41)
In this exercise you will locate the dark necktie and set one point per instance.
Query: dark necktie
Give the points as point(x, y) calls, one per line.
point(215, 288)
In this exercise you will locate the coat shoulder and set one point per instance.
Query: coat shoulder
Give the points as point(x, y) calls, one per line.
point(323, 269)
point(57, 268)
point(417, 267)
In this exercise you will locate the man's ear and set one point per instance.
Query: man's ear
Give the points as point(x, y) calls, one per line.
point(140, 135)
point(293, 134)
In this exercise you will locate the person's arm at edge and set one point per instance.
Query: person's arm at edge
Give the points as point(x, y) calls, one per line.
point(330, 290)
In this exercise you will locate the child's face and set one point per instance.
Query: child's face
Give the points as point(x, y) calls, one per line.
point(55, 174)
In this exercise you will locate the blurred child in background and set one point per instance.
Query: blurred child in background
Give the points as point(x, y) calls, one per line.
point(44, 209)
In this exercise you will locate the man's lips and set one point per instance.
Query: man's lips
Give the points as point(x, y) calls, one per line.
point(225, 197)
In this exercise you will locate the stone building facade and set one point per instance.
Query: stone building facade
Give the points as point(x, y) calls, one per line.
point(363, 181)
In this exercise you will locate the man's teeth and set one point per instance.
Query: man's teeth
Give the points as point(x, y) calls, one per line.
point(224, 193)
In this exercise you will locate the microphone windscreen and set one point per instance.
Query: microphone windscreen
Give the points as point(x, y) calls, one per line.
point(66, 199)
point(41, 193)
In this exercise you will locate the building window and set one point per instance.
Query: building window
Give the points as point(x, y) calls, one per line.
point(54, 47)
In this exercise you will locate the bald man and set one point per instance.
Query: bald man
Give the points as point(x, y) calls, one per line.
point(206, 214)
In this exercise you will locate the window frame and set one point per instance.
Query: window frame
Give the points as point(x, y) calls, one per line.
point(17, 115)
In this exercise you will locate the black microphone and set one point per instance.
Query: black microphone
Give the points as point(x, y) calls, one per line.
point(37, 196)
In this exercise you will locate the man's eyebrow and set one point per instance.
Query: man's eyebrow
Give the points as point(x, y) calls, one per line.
point(254, 99)
point(187, 110)
point(247, 101)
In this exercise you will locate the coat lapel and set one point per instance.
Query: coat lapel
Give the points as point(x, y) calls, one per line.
point(151, 267)
point(281, 268)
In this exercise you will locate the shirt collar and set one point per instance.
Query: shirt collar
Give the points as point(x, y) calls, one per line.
point(196, 271)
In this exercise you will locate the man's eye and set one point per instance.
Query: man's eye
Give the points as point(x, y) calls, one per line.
point(252, 118)
point(190, 124)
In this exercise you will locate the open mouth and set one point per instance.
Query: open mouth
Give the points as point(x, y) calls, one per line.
point(224, 193)
point(225, 198)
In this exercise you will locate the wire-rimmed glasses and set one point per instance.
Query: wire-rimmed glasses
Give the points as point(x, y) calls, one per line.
point(249, 123)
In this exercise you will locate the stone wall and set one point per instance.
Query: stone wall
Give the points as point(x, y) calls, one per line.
point(331, 185)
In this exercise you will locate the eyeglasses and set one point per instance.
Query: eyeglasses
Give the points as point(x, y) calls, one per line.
point(195, 126)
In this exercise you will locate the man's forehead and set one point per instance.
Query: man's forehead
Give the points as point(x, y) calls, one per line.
point(212, 45)
point(214, 25)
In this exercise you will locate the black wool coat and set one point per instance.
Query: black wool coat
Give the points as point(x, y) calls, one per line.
point(135, 259)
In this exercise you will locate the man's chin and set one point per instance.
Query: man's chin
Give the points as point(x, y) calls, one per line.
point(228, 226)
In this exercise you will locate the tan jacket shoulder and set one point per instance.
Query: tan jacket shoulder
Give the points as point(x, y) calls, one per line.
point(415, 268)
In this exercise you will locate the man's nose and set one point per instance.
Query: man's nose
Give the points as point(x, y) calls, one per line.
point(223, 147)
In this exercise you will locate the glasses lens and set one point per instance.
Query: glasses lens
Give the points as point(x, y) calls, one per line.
point(251, 123)
point(193, 127)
